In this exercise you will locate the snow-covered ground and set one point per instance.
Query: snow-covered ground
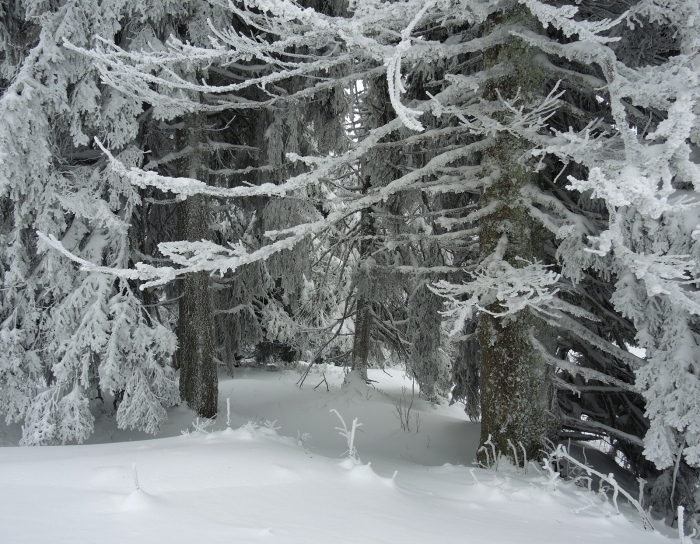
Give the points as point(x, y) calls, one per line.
point(251, 483)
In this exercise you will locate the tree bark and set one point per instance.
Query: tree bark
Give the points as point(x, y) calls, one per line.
point(198, 378)
point(515, 390)
point(361, 340)
point(363, 281)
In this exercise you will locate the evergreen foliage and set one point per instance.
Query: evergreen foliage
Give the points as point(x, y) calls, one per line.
point(59, 326)
point(356, 180)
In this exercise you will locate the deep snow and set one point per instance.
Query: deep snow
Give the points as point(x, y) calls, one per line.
point(251, 483)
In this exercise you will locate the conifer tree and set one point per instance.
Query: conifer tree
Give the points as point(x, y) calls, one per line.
point(261, 307)
point(67, 336)
point(568, 150)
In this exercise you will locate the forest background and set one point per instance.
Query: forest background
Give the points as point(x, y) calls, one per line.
point(499, 194)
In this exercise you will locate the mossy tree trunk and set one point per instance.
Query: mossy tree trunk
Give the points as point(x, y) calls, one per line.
point(515, 389)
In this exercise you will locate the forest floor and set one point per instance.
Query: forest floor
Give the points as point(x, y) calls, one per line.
point(279, 474)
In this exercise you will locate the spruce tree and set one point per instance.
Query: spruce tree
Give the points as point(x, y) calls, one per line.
point(68, 336)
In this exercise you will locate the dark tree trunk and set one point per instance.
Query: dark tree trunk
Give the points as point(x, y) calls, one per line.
point(361, 340)
point(515, 390)
point(198, 378)
point(363, 306)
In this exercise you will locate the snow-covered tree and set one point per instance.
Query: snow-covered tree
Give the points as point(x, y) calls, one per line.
point(66, 335)
point(650, 192)
point(444, 171)
point(559, 154)
point(270, 122)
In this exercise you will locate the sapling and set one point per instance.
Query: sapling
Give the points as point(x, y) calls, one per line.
point(403, 410)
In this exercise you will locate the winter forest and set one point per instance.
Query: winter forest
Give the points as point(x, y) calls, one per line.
point(501, 197)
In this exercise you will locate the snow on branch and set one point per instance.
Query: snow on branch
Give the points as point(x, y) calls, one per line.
point(576, 370)
point(531, 121)
point(520, 118)
point(560, 320)
point(188, 186)
point(207, 256)
point(51, 241)
point(563, 18)
point(145, 74)
point(611, 431)
point(499, 285)
point(409, 117)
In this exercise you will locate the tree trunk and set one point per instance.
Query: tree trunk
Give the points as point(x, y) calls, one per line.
point(361, 340)
point(198, 378)
point(363, 281)
point(515, 390)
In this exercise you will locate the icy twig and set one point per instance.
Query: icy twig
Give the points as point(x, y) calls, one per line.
point(616, 491)
point(493, 449)
point(403, 410)
point(553, 476)
point(515, 453)
point(561, 454)
point(476, 481)
point(588, 499)
point(349, 435)
point(525, 463)
point(271, 425)
point(201, 426)
point(642, 483)
point(488, 459)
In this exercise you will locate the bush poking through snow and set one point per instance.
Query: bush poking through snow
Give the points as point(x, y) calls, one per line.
point(349, 435)
point(200, 425)
point(303, 439)
point(560, 454)
point(271, 425)
point(403, 411)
